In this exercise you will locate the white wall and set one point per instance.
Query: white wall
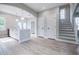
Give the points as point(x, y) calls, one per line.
point(72, 8)
point(10, 20)
point(47, 23)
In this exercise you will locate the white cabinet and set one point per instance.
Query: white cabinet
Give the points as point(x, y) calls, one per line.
point(51, 27)
point(20, 35)
point(47, 24)
point(20, 31)
point(41, 26)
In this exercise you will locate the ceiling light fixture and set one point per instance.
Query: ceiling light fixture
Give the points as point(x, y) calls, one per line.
point(16, 17)
point(43, 8)
point(22, 18)
point(17, 20)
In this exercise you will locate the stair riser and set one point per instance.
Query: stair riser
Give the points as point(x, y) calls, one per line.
point(66, 28)
point(70, 31)
point(67, 36)
point(66, 31)
point(68, 39)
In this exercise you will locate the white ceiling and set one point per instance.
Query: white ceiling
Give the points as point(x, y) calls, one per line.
point(42, 6)
point(15, 11)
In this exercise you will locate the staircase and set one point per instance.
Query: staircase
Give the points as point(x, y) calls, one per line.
point(66, 29)
point(66, 32)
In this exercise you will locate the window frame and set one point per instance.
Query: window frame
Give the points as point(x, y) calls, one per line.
point(4, 26)
point(67, 12)
point(62, 13)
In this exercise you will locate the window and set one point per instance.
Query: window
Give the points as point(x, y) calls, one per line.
point(77, 22)
point(33, 27)
point(20, 25)
point(24, 25)
point(62, 13)
point(2, 23)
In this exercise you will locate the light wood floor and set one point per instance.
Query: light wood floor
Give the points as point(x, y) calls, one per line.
point(36, 46)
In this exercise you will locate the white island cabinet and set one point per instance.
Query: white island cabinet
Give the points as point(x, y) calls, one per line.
point(20, 35)
point(20, 31)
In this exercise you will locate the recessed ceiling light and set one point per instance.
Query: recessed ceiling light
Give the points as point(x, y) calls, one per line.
point(17, 19)
point(22, 18)
point(43, 8)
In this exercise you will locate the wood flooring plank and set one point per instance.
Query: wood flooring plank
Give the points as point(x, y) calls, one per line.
point(36, 46)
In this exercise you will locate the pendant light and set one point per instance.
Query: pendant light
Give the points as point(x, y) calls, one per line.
point(22, 18)
point(16, 17)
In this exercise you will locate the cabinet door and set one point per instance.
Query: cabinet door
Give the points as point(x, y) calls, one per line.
point(33, 29)
point(51, 26)
point(41, 26)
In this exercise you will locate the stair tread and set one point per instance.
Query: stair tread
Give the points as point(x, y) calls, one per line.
point(68, 41)
point(66, 25)
point(65, 32)
point(65, 29)
point(67, 35)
